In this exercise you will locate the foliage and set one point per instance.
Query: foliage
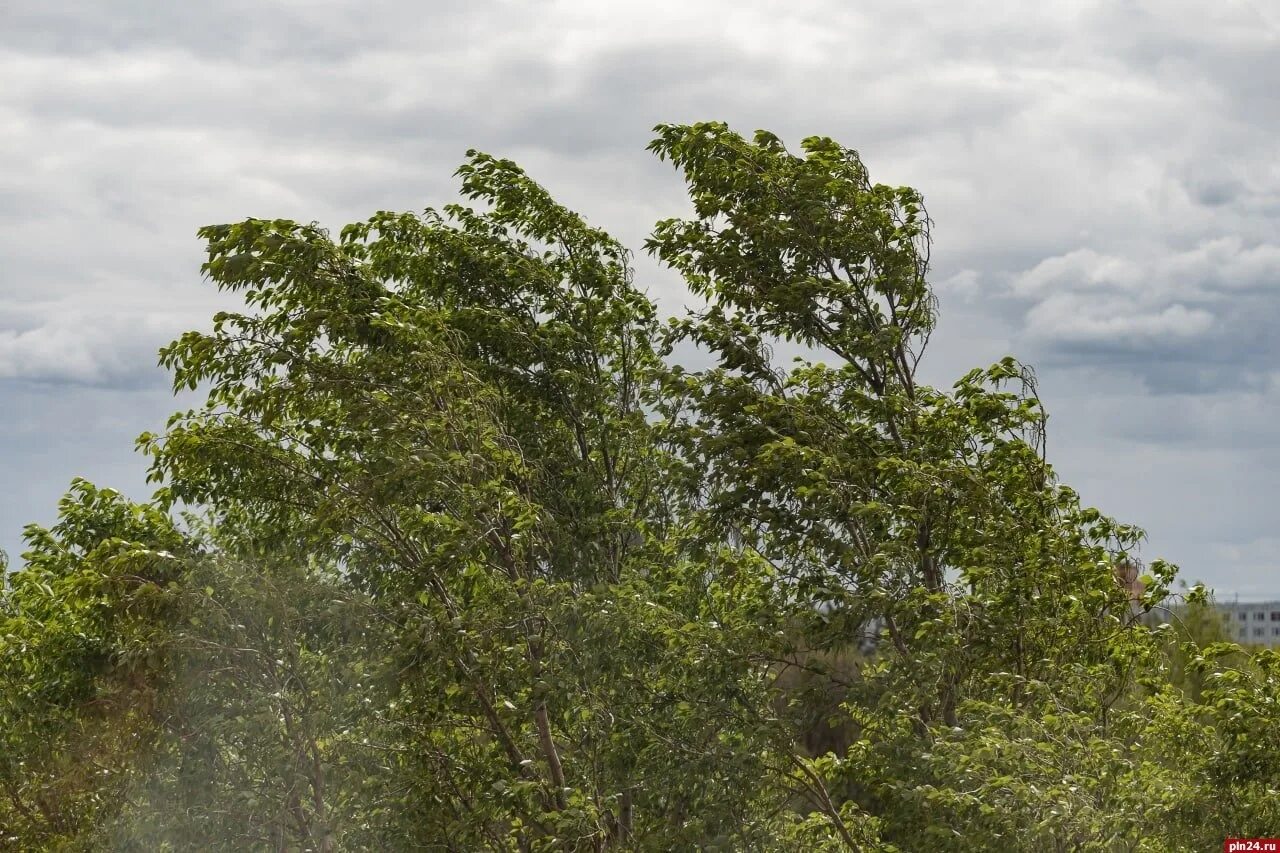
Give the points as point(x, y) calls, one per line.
point(475, 564)
point(83, 633)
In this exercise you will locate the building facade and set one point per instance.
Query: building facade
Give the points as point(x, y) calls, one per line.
point(1255, 624)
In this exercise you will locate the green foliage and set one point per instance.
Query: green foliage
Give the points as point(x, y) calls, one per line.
point(83, 633)
point(475, 566)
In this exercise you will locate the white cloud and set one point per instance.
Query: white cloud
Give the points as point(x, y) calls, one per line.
point(1211, 303)
point(92, 347)
point(1074, 319)
point(1082, 269)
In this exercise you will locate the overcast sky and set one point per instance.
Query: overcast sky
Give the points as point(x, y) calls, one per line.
point(1104, 179)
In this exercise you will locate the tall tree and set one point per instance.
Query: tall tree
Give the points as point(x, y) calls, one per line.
point(880, 501)
point(476, 565)
point(448, 409)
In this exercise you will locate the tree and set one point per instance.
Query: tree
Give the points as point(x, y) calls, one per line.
point(83, 629)
point(882, 501)
point(447, 409)
point(476, 565)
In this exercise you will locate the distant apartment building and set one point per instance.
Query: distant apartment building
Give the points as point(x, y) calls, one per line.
point(1255, 624)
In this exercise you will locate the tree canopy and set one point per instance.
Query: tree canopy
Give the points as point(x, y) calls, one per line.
point(457, 555)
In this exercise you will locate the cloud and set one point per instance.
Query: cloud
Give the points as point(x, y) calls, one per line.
point(1219, 264)
point(1180, 320)
point(79, 347)
point(1115, 323)
point(1102, 176)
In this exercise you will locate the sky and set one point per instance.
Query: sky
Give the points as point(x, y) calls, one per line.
point(1103, 177)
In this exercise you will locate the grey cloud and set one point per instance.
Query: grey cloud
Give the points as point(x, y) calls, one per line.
point(79, 347)
point(245, 31)
point(1198, 319)
point(1227, 50)
point(1103, 178)
point(1115, 323)
point(1214, 190)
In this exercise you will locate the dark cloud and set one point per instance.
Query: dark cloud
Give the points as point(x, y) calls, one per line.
point(1103, 177)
